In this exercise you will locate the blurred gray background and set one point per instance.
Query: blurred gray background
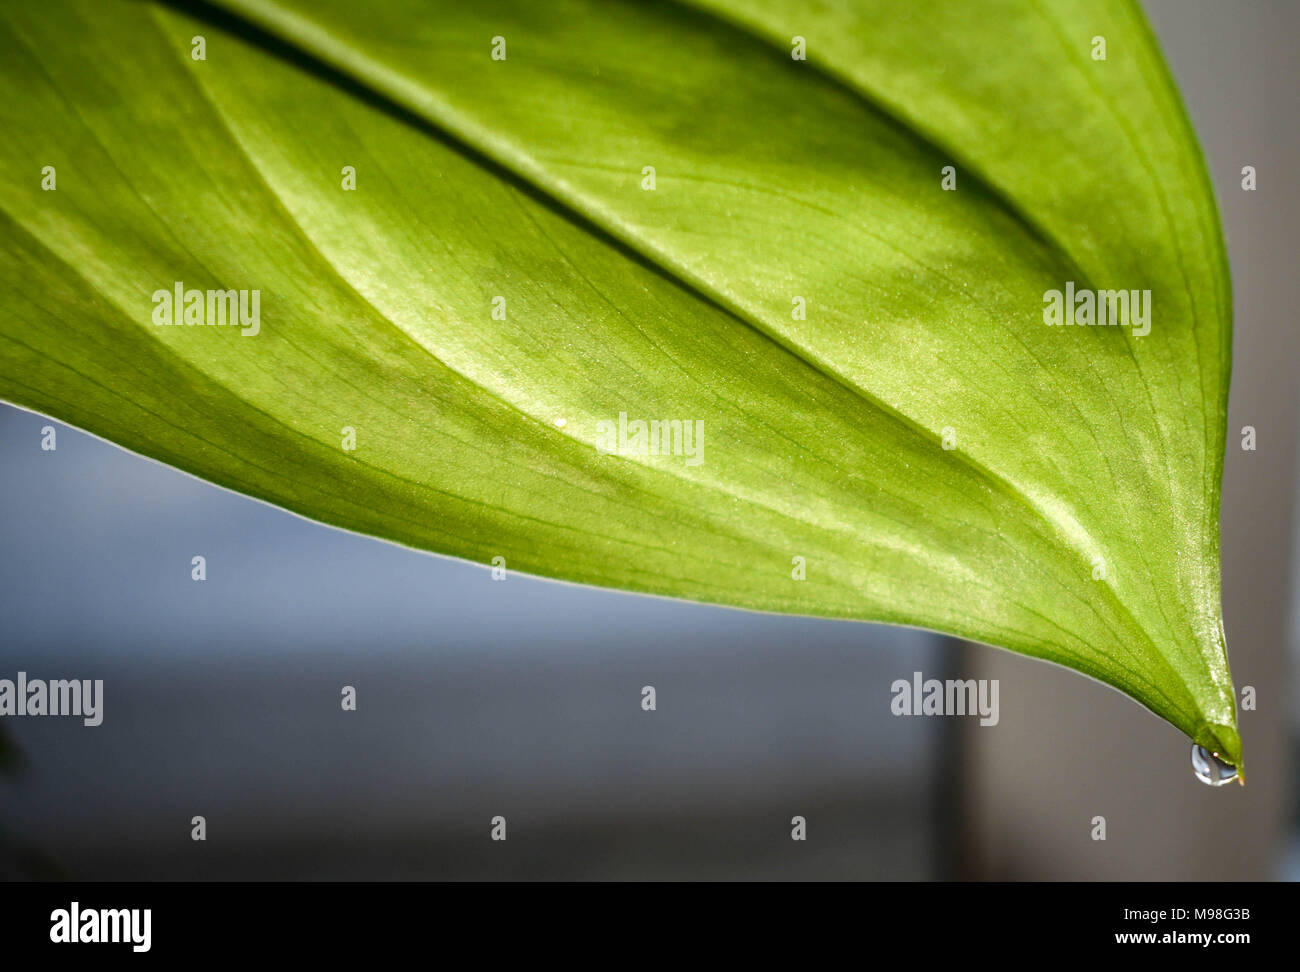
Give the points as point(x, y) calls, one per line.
point(522, 697)
point(476, 698)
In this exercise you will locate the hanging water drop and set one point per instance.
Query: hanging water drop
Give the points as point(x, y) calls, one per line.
point(1210, 769)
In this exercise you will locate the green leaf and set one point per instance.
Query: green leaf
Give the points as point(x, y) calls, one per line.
point(917, 439)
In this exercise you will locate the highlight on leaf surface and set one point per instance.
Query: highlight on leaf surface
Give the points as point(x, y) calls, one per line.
point(816, 308)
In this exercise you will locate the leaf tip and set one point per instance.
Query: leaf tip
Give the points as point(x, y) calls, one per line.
point(1224, 742)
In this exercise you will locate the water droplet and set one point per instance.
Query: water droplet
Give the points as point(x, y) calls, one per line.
point(1210, 769)
point(561, 423)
